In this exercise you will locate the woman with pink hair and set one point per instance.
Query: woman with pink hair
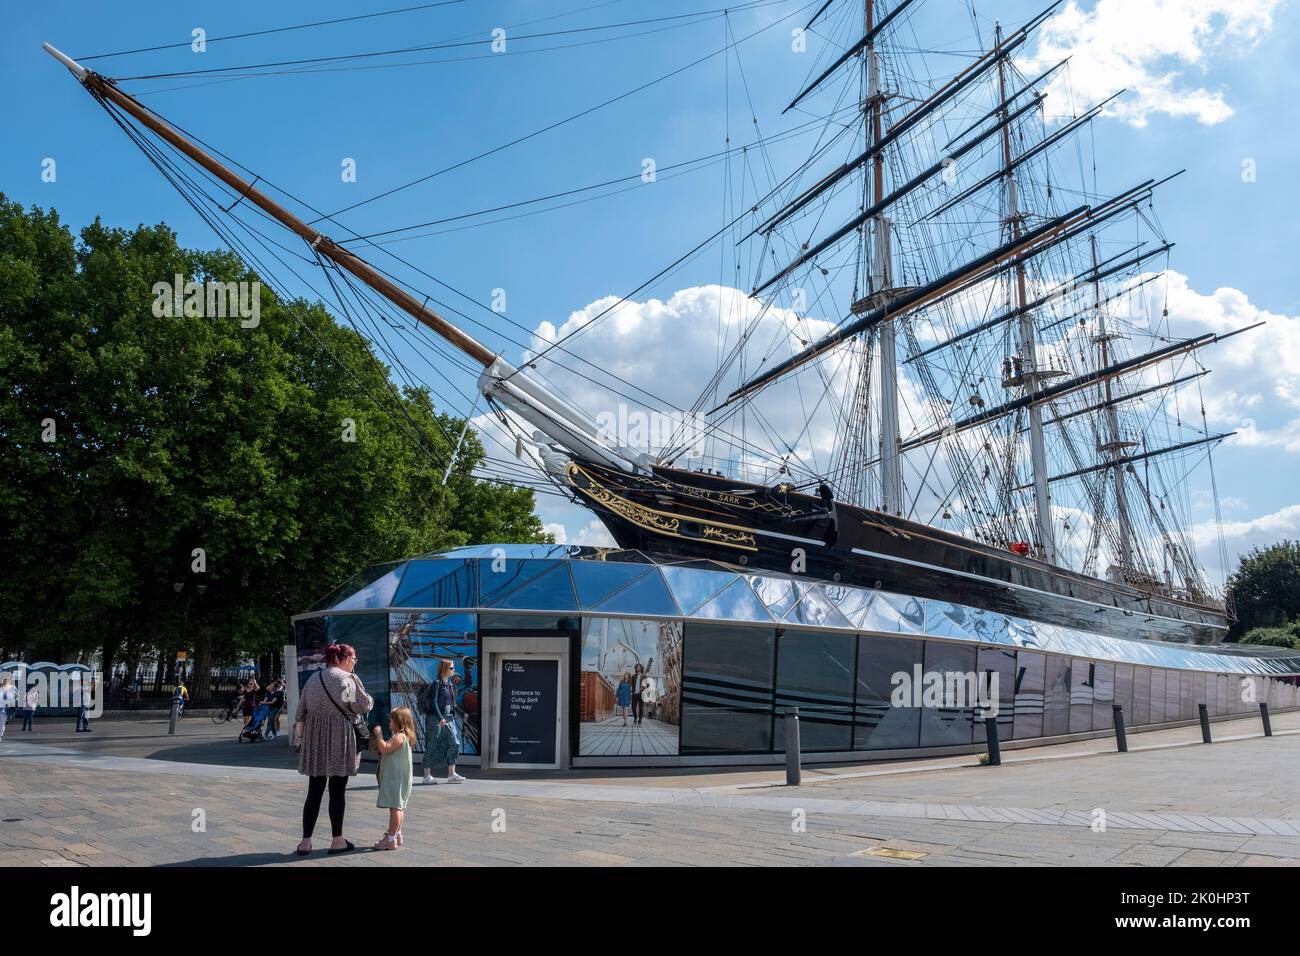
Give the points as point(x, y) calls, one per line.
point(332, 706)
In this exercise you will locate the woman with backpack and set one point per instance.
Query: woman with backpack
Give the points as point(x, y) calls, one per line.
point(441, 733)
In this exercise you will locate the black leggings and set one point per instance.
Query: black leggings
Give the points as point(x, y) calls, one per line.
point(338, 803)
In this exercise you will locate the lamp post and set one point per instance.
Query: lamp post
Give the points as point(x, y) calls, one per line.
point(179, 588)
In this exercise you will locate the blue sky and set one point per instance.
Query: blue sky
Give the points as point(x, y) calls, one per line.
point(1204, 99)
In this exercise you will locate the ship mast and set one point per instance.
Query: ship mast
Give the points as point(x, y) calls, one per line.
point(1029, 377)
point(559, 422)
point(891, 473)
point(1114, 447)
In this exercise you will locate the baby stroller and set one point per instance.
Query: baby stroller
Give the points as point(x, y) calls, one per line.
point(253, 730)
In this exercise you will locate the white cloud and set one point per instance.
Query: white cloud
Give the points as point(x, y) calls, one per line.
point(1157, 50)
point(594, 534)
point(1239, 537)
point(1255, 388)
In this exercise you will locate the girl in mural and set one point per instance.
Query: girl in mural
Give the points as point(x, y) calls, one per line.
point(624, 695)
point(394, 772)
point(442, 746)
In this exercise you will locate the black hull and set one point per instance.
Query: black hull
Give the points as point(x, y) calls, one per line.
point(693, 515)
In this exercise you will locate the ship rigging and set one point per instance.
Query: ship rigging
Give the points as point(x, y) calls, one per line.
point(981, 330)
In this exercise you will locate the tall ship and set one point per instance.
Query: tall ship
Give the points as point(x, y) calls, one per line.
point(941, 280)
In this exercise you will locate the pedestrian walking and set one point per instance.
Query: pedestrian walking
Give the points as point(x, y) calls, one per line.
point(85, 701)
point(327, 728)
point(275, 701)
point(29, 707)
point(250, 699)
point(638, 685)
point(8, 698)
point(394, 772)
point(442, 733)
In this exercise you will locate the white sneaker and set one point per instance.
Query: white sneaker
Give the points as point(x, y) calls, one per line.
point(428, 778)
point(455, 778)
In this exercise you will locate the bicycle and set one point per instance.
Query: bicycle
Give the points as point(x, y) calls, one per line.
point(230, 713)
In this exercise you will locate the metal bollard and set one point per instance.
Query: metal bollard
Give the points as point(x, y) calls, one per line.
point(792, 773)
point(176, 706)
point(991, 733)
point(1121, 738)
point(1205, 723)
point(1263, 714)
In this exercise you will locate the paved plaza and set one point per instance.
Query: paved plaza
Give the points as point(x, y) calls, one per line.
point(130, 795)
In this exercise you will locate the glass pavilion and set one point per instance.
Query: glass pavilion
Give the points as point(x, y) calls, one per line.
point(569, 656)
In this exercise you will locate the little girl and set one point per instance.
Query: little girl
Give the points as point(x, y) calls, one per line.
point(394, 772)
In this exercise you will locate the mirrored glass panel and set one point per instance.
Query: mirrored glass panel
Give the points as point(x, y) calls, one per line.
point(815, 608)
point(893, 614)
point(736, 602)
point(779, 595)
point(997, 689)
point(1173, 691)
point(630, 687)
point(1103, 696)
point(1082, 676)
point(727, 687)
point(531, 585)
point(646, 595)
point(1157, 695)
point(814, 672)
point(1031, 669)
point(889, 673)
point(950, 692)
point(692, 587)
point(597, 580)
point(1056, 707)
point(1141, 695)
point(372, 588)
point(449, 583)
point(1124, 691)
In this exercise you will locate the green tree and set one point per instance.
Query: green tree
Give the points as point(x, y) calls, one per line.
point(1265, 588)
point(1270, 637)
point(267, 464)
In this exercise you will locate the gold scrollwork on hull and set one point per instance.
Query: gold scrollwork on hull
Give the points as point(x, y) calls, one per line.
point(660, 522)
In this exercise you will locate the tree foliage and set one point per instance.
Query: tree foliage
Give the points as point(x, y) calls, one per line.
point(1265, 588)
point(176, 434)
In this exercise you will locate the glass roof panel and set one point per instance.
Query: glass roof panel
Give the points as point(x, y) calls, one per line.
point(646, 595)
point(526, 585)
point(736, 602)
point(692, 587)
point(374, 584)
point(440, 582)
point(597, 580)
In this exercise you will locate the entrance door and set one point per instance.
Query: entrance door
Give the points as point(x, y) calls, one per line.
point(528, 711)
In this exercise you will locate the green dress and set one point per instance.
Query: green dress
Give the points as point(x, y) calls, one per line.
point(395, 778)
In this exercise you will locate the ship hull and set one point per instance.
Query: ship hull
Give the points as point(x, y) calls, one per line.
point(698, 515)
